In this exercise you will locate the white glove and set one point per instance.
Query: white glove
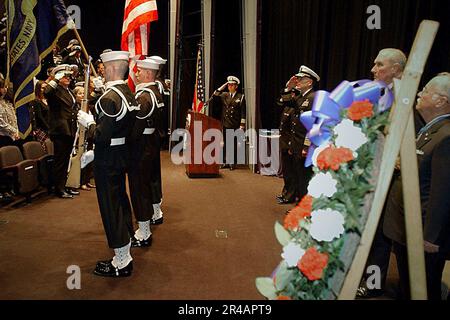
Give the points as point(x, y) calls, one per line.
point(98, 83)
point(223, 86)
point(87, 158)
point(85, 119)
point(59, 75)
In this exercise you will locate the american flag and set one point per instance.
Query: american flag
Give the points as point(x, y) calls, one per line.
point(135, 32)
point(199, 90)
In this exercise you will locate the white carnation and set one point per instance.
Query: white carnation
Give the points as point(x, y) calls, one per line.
point(349, 136)
point(326, 225)
point(322, 184)
point(292, 253)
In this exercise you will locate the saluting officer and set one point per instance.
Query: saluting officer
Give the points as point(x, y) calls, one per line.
point(116, 113)
point(144, 176)
point(62, 124)
point(297, 98)
point(289, 191)
point(233, 117)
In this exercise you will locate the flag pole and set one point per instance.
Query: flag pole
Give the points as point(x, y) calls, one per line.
point(84, 51)
point(8, 54)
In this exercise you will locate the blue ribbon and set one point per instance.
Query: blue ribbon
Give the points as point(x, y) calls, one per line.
point(327, 107)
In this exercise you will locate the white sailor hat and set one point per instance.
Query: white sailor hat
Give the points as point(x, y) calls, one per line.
point(148, 64)
point(79, 84)
point(73, 41)
point(304, 71)
point(68, 70)
point(158, 59)
point(115, 56)
point(233, 79)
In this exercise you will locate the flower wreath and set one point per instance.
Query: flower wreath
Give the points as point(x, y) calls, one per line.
point(345, 127)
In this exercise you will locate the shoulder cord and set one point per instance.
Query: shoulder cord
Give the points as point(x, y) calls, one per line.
point(154, 101)
point(124, 108)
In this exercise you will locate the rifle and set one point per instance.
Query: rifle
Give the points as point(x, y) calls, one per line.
point(74, 176)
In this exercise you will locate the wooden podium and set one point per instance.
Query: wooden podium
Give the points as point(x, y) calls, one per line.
point(200, 169)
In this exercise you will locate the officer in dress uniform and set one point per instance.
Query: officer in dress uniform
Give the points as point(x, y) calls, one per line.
point(116, 113)
point(62, 124)
point(296, 98)
point(144, 175)
point(233, 118)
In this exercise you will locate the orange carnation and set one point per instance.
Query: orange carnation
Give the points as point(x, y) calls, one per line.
point(300, 212)
point(313, 263)
point(359, 110)
point(332, 158)
point(306, 203)
point(283, 298)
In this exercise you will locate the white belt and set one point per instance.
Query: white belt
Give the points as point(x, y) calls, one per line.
point(117, 141)
point(149, 130)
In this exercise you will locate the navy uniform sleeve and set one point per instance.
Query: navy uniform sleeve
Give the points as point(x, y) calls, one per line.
point(105, 125)
point(243, 110)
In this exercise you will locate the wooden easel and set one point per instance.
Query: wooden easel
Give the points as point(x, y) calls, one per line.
point(400, 139)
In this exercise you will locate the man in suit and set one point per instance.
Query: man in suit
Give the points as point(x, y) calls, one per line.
point(388, 65)
point(296, 98)
point(433, 155)
point(233, 118)
point(116, 113)
point(62, 125)
point(144, 176)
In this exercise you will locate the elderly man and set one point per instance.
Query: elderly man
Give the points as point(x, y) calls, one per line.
point(433, 155)
point(144, 175)
point(233, 117)
point(388, 65)
point(116, 113)
point(297, 97)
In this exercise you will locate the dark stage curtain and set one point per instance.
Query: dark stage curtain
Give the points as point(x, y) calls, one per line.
point(226, 46)
point(332, 38)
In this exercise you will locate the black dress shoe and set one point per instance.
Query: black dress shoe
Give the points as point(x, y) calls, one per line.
point(224, 166)
point(135, 243)
point(106, 269)
point(64, 195)
point(157, 221)
point(73, 192)
point(232, 167)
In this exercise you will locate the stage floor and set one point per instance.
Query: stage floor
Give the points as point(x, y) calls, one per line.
point(217, 237)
